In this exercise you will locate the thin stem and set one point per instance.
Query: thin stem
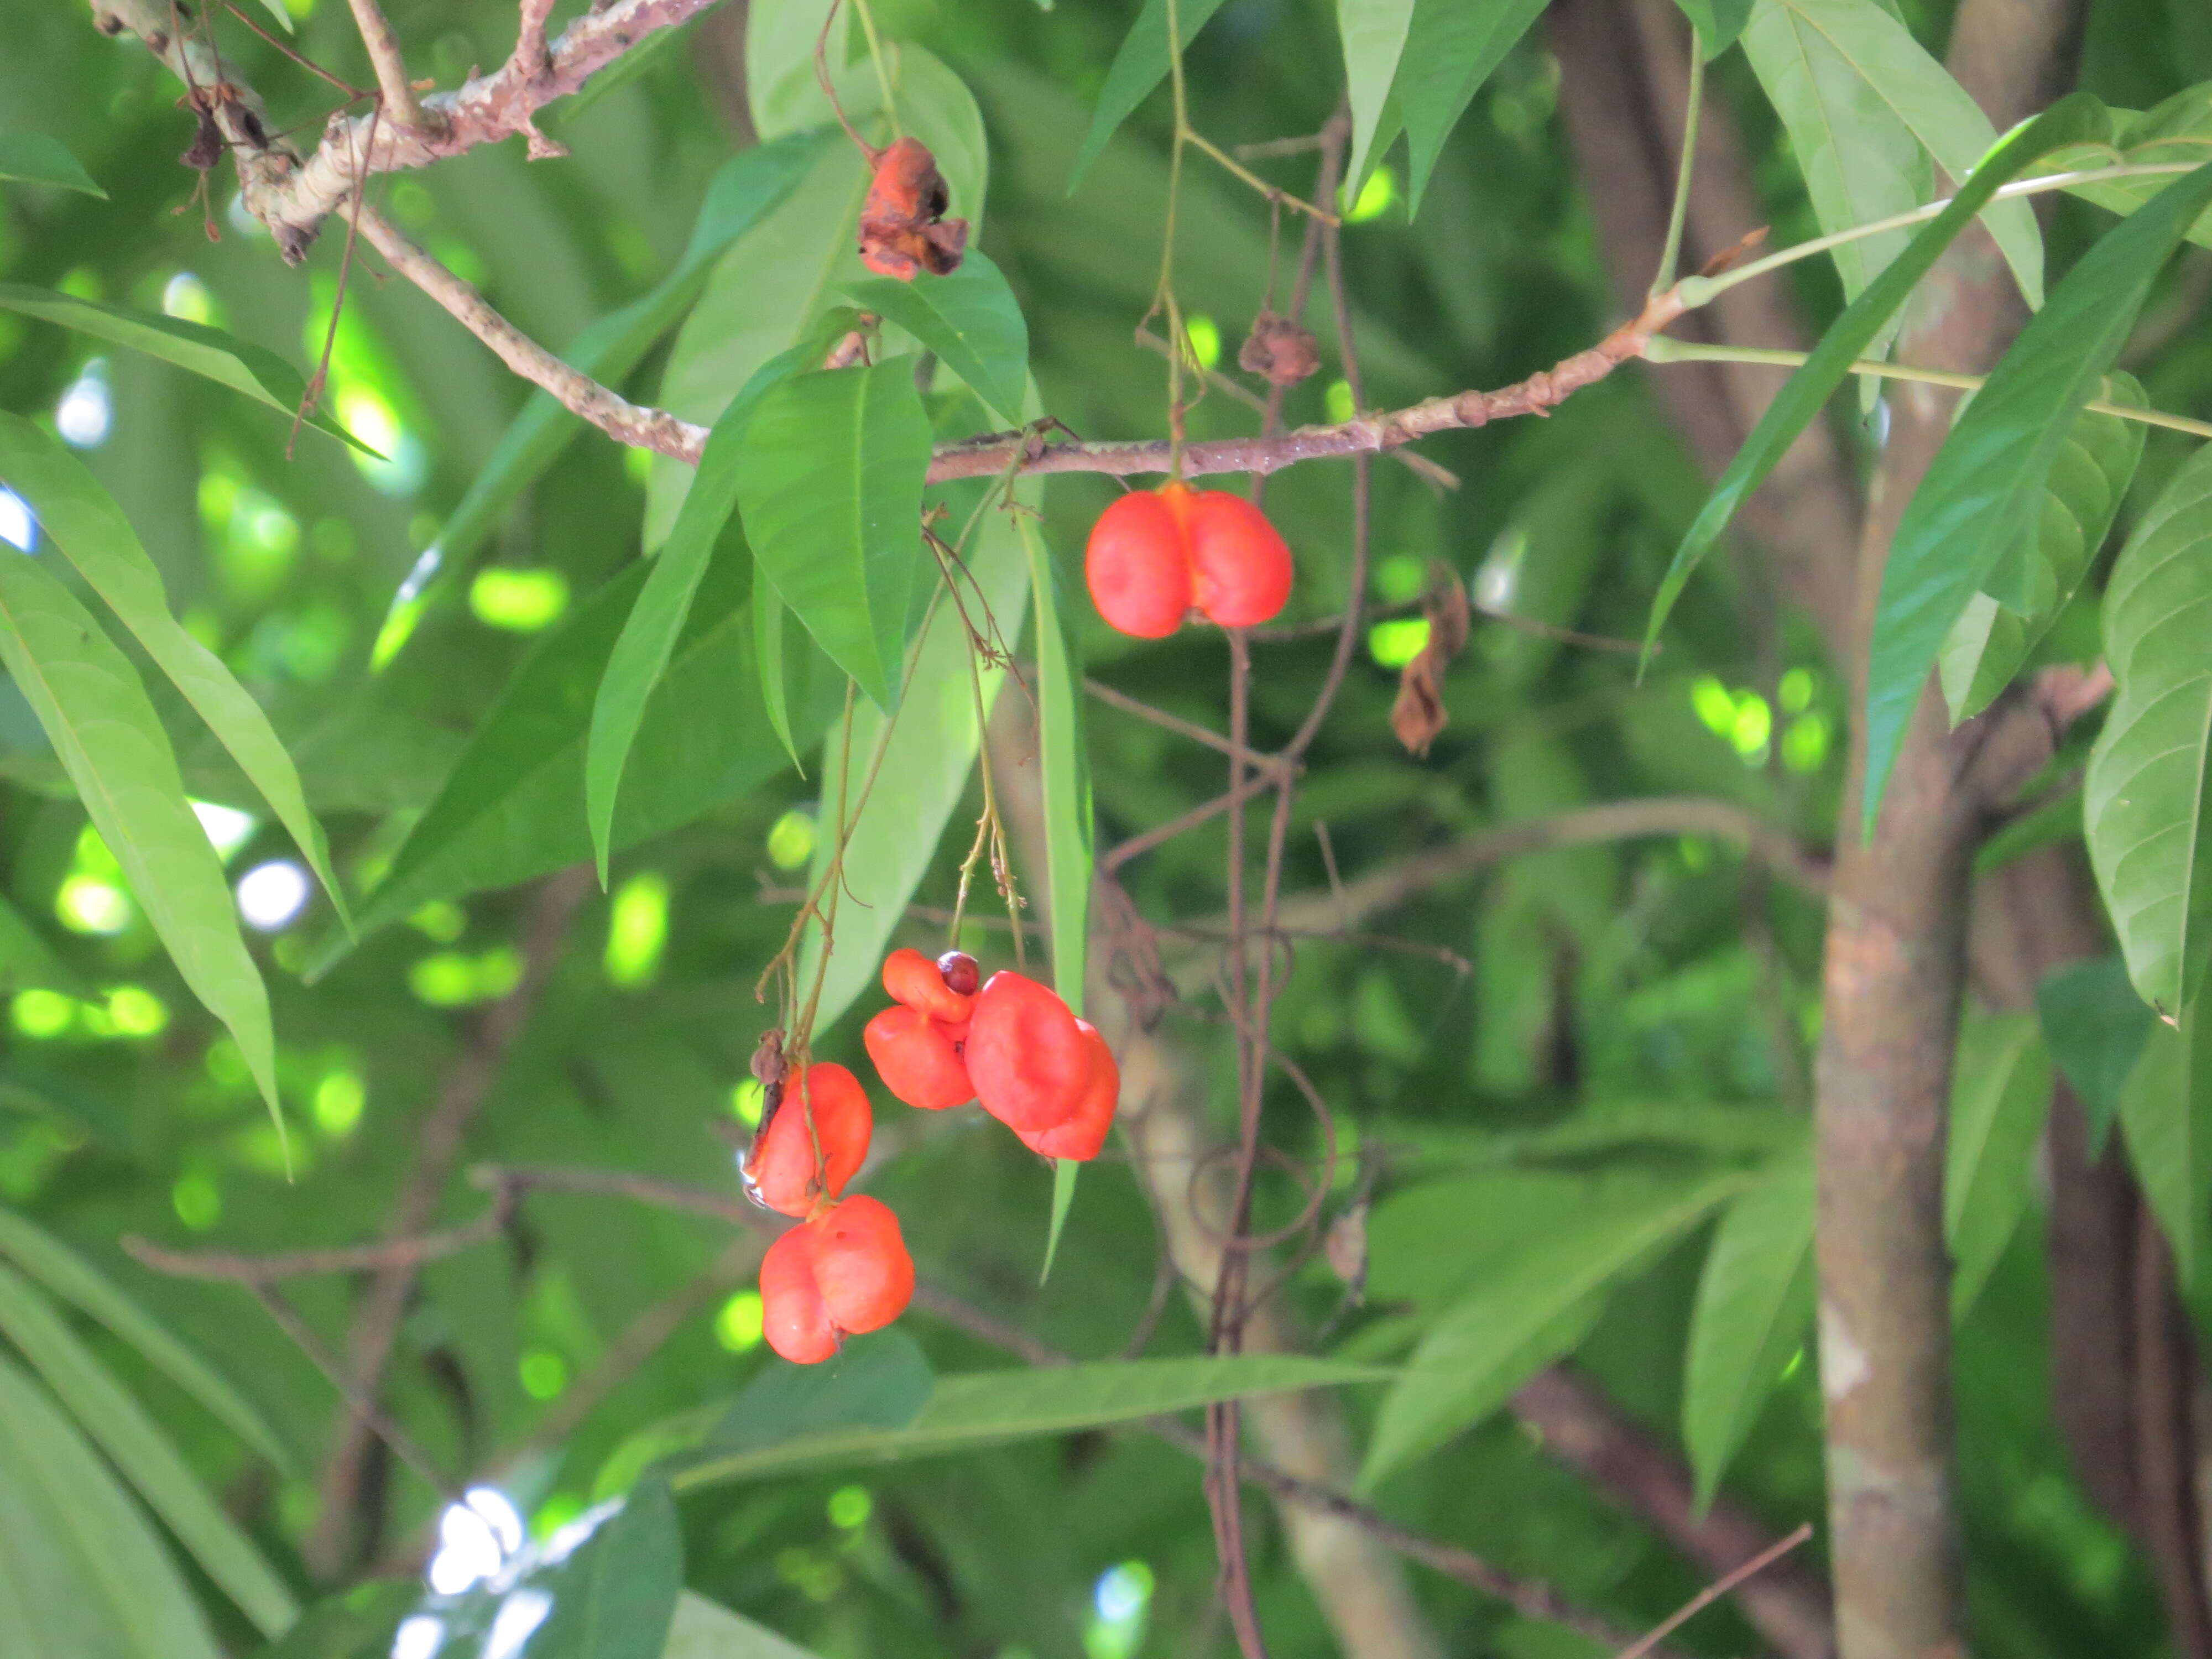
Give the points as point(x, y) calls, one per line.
point(1670, 255)
point(882, 77)
point(1238, 170)
point(1662, 349)
point(1695, 291)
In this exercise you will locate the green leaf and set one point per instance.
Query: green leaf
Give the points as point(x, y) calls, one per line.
point(1140, 65)
point(2070, 120)
point(876, 1382)
point(1065, 784)
point(614, 1598)
point(70, 1277)
point(96, 714)
point(1374, 32)
point(1753, 1311)
point(1484, 1346)
point(1450, 51)
point(508, 810)
point(36, 159)
point(85, 523)
point(2036, 578)
point(2094, 1026)
point(770, 617)
point(745, 190)
point(1718, 22)
point(143, 1456)
point(970, 320)
point(258, 372)
point(2174, 131)
point(81, 1570)
point(1870, 43)
point(656, 621)
point(2162, 1120)
point(829, 483)
point(987, 1408)
point(706, 1630)
point(2143, 797)
point(1983, 492)
point(770, 291)
point(927, 758)
point(2000, 1096)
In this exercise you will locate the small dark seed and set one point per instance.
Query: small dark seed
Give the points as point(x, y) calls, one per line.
point(961, 974)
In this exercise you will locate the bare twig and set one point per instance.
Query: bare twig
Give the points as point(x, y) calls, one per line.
point(359, 1401)
point(1712, 1593)
point(1113, 698)
point(393, 1253)
point(400, 108)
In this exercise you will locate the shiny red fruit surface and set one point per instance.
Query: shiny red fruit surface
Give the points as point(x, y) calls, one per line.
point(1137, 568)
point(780, 1170)
point(918, 1059)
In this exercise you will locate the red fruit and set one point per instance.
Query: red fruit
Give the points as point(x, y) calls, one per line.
point(861, 1265)
point(913, 979)
point(918, 1059)
point(794, 1317)
point(1137, 567)
point(780, 1170)
point(1240, 566)
point(1026, 1054)
point(1082, 1132)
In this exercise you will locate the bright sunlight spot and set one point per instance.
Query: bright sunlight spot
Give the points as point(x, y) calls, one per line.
point(1375, 196)
point(374, 421)
point(339, 1101)
point(86, 411)
point(544, 1374)
point(738, 1326)
point(475, 1537)
point(637, 928)
point(1393, 644)
point(132, 1011)
point(196, 1201)
point(1400, 577)
point(186, 298)
point(1205, 336)
point(790, 841)
point(452, 980)
point(41, 1014)
point(226, 826)
point(441, 921)
point(419, 1637)
point(747, 1101)
point(272, 895)
point(86, 905)
point(1338, 400)
point(1794, 692)
point(519, 601)
point(1118, 1603)
point(850, 1507)
point(17, 527)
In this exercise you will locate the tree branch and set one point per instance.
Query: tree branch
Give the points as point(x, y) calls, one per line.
point(400, 108)
point(438, 1145)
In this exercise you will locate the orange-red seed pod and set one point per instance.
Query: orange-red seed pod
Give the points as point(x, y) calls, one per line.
point(1025, 1054)
point(1082, 1134)
point(1136, 568)
point(794, 1317)
point(861, 1265)
point(1240, 566)
point(913, 979)
point(917, 1059)
point(780, 1169)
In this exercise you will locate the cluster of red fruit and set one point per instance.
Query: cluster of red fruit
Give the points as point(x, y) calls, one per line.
point(1156, 555)
point(1013, 1045)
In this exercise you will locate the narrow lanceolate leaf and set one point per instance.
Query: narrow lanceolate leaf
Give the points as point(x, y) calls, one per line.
point(1718, 22)
point(769, 619)
point(85, 523)
point(2075, 120)
point(1450, 51)
point(1866, 40)
point(1984, 490)
point(991, 1408)
point(829, 483)
point(2000, 1096)
point(748, 186)
point(96, 714)
point(2163, 1120)
point(656, 621)
point(1140, 65)
point(2036, 578)
point(1373, 35)
point(35, 159)
point(1066, 785)
point(1753, 1310)
point(254, 370)
point(2173, 132)
point(2094, 1026)
point(1483, 1347)
point(706, 1629)
point(143, 1456)
point(970, 320)
point(68, 1275)
point(928, 756)
point(2143, 797)
point(81, 1570)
